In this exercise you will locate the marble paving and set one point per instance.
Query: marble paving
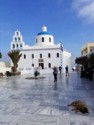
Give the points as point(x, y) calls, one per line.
point(43, 102)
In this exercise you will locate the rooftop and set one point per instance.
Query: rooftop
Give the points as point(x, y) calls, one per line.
point(44, 31)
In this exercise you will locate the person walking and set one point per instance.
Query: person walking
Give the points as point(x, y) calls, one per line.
point(67, 70)
point(55, 72)
point(60, 69)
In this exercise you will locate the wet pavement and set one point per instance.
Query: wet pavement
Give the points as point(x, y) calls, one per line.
point(43, 101)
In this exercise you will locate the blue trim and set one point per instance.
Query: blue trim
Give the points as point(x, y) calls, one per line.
point(43, 33)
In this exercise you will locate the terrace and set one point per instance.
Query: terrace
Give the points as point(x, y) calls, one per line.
point(43, 102)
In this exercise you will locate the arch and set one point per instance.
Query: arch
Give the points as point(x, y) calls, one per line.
point(40, 55)
point(49, 55)
point(49, 39)
point(49, 65)
point(57, 54)
point(24, 56)
point(42, 39)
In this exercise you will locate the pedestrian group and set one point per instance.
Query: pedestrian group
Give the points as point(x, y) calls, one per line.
point(55, 72)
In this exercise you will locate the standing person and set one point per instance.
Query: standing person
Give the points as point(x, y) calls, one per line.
point(67, 70)
point(55, 72)
point(90, 74)
point(60, 69)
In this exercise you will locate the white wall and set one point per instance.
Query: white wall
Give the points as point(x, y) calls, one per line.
point(26, 64)
point(46, 40)
point(67, 61)
point(4, 68)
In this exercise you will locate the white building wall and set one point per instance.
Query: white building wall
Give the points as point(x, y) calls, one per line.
point(67, 61)
point(41, 47)
point(46, 40)
point(27, 63)
point(17, 41)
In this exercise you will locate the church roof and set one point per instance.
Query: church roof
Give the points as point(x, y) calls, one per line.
point(43, 33)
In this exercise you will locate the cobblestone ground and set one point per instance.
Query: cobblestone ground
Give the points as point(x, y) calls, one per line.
point(43, 102)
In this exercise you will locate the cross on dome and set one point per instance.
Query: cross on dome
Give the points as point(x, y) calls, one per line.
point(44, 29)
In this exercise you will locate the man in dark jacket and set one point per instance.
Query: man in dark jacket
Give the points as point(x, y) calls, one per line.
point(67, 70)
point(55, 72)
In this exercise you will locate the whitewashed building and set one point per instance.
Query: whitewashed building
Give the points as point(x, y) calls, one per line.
point(45, 54)
point(4, 66)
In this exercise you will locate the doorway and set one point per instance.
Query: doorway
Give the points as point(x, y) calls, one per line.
point(41, 65)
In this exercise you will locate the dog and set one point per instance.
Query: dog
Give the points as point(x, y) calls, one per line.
point(79, 106)
point(1, 74)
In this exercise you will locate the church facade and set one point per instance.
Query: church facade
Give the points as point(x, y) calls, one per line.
point(45, 54)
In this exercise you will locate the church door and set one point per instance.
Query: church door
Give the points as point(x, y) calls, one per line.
point(41, 65)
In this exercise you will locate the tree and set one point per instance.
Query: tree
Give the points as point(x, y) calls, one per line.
point(15, 57)
point(0, 55)
point(91, 60)
point(84, 61)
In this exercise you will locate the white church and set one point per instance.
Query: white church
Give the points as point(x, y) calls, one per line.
point(45, 54)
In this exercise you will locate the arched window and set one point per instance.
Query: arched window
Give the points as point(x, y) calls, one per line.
point(13, 45)
point(17, 45)
point(17, 33)
point(57, 54)
point(15, 39)
point(49, 55)
point(49, 65)
point(49, 39)
point(32, 56)
point(40, 55)
point(21, 45)
point(18, 38)
point(32, 64)
point(24, 56)
point(42, 39)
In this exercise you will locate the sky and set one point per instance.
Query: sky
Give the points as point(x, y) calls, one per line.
point(69, 21)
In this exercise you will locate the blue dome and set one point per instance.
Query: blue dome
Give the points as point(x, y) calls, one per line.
point(43, 33)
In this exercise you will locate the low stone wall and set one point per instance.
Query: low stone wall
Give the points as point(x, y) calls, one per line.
point(3, 70)
point(4, 67)
point(15, 73)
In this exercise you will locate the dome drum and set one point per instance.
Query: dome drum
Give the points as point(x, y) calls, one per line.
point(44, 38)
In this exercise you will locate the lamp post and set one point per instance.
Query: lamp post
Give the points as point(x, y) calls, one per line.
point(61, 50)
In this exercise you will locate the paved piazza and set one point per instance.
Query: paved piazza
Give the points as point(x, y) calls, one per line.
point(43, 102)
